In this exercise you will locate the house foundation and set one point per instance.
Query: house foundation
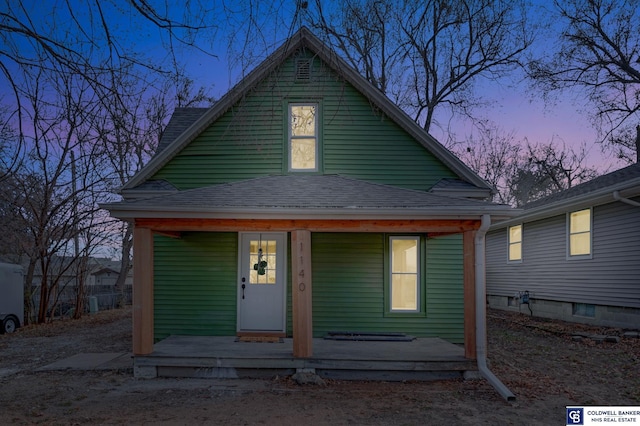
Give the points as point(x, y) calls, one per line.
point(597, 315)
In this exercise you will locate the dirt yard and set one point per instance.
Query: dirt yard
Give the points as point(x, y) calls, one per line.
point(537, 359)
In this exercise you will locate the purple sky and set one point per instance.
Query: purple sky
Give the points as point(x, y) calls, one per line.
point(511, 109)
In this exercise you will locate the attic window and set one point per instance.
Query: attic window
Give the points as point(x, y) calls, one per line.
point(303, 69)
point(303, 137)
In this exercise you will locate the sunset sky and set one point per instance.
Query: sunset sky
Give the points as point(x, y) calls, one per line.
point(511, 105)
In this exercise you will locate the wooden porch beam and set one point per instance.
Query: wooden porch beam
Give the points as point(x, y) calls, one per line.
point(142, 291)
point(439, 226)
point(301, 293)
point(469, 293)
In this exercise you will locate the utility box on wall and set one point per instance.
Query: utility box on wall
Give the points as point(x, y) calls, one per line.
point(11, 297)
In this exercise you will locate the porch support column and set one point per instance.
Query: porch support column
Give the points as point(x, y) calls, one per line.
point(142, 291)
point(301, 293)
point(469, 293)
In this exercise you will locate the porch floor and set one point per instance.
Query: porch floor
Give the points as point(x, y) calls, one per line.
point(224, 357)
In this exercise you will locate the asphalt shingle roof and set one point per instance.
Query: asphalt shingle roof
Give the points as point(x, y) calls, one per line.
point(601, 182)
point(180, 121)
point(303, 192)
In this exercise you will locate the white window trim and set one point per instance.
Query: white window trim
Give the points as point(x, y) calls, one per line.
point(418, 274)
point(568, 236)
point(509, 244)
point(290, 137)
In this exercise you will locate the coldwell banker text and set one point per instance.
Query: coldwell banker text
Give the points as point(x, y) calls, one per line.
point(600, 415)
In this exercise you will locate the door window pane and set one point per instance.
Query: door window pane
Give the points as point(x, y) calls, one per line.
point(262, 255)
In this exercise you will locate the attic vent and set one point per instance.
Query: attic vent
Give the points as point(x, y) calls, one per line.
point(303, 70)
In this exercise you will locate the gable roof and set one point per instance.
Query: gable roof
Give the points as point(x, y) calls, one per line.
point(303, 38)
point(624, 182)
point(308, 196)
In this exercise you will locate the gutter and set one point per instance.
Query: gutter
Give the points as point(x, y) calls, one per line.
point(618, 197)
point(630, 188)
point(481, 313)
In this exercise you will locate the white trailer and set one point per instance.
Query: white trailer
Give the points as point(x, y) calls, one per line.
point(11, 297)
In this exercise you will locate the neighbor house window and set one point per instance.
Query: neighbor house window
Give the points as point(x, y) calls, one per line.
point(515, 243)
point(580, 233)
point(584, 310)
point(303, 137)
point(405, 276)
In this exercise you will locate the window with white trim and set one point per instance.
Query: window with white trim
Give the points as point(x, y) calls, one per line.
point(579, 233)
point(515, 243)
point(404, 274)
point(303, 137)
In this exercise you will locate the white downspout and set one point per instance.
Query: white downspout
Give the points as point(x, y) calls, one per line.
point(618, 197)
point(481, 312)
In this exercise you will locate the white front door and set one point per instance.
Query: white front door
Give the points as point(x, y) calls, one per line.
point(261, 283)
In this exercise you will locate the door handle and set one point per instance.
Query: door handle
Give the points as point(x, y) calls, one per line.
point(243, 286)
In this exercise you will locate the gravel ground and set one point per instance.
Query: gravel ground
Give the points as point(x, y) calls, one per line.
point(537, 359)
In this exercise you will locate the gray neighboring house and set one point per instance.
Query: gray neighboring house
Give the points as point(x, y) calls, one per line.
point(574, 255)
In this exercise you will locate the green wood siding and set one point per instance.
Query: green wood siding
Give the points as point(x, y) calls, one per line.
point(194, 284)
point(445, 301)
point(195, 276)
point(195, 292)
point(250, 140)
point(348, 285)
point(349, 291)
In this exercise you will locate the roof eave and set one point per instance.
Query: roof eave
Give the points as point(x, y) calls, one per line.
point(442, 213)
point(602, 196)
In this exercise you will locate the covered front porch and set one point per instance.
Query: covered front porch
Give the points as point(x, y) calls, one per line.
point(227, 357)
point(306, 208)
point(302, 351)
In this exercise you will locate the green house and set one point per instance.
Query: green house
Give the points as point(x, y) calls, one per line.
point(304, 202)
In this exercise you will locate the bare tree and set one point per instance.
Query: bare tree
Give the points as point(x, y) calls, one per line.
point(495, 155)
point(521, 171)
point(599, 54)
point(52, 196)
point(67, 75)
point(545, 169)
point(88, 39)
point(365, 34)
point(428, 55)
point(127, 130)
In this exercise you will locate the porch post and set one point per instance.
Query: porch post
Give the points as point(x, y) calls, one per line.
point(301, 293)
point(469, 293)
point(142, 291)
